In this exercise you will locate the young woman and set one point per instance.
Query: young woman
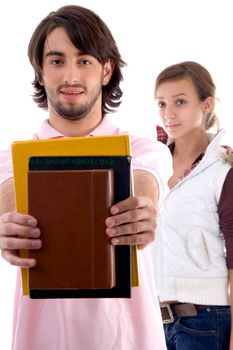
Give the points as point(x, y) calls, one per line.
point(194, 248)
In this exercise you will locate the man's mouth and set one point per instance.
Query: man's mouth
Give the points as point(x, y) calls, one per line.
point(71, 91)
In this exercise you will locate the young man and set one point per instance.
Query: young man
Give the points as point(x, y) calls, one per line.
point(77, 74)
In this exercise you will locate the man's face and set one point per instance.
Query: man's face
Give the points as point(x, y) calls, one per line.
point(73, 81)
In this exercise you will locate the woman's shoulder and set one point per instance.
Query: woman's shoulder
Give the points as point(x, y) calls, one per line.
point(227, 155)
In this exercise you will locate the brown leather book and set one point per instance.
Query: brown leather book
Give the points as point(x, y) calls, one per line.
point(71, 207)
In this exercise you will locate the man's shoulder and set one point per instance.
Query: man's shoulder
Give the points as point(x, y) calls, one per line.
point(145, 144)
point(5, 165)
point(152, 154)
point(5, 155)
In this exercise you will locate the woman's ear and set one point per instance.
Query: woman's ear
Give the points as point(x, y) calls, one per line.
point(108, 70)
point(208, 105)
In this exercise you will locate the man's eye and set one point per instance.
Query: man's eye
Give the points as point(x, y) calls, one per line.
point(85, 62)
point(56, 62)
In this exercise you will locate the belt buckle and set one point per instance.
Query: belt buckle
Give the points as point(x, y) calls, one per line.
point(171, 317)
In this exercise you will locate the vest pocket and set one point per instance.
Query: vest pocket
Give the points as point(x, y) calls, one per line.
point(205, 248)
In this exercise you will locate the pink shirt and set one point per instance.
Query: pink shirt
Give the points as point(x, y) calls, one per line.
point(96, 324)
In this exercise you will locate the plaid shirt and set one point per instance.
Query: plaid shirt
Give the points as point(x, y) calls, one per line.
point(162, 136)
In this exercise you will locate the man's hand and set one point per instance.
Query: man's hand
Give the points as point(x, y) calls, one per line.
point(133, 222)
point(18, 231)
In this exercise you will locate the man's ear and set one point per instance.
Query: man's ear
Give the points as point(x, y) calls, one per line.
point(40, 79)
point(108, 70)
point(208, 105)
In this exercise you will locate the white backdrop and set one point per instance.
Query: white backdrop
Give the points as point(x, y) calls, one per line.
point(151, 34)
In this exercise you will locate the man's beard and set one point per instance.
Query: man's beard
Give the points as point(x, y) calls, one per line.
point(71, 112)
point(74, 112)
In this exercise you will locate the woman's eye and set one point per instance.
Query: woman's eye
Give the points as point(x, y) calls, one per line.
point(180, 102)
point(161, 104)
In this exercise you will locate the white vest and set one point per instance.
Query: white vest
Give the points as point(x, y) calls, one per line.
point(190, 264)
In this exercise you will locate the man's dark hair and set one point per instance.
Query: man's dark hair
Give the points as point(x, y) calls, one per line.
point(91, 36)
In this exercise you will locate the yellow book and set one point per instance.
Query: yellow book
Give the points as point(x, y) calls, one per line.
point(22, 151)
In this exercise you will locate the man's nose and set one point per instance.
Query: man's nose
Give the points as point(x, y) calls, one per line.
point(71, 74)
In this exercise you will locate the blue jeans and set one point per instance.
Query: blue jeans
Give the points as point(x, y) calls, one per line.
point(208, 330)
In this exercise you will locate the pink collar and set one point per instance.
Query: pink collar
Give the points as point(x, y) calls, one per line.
point(104, 128)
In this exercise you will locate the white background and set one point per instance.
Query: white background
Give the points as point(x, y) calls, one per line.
point(150, 35)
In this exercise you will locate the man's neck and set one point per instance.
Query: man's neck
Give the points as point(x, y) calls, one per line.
point(75, 128)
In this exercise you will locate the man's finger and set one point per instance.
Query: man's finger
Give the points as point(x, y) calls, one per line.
point(141, 214)
point(141, 239)
point(130, 229)
point(17, 218)
point(15, 260)
point(133, 202)
point(13, 243)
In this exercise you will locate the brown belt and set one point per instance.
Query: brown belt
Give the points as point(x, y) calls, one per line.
point(170, 312)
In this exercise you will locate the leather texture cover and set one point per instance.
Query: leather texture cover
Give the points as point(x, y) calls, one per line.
point(71, 207)
point(124, 255)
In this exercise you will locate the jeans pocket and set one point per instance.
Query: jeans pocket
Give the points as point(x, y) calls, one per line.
point(196, 326)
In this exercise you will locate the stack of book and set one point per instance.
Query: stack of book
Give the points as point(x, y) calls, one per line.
point(69, 185)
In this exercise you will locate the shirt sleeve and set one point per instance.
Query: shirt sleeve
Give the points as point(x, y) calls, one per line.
point(6, 170)
point(225, 211)
point(154, 157)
